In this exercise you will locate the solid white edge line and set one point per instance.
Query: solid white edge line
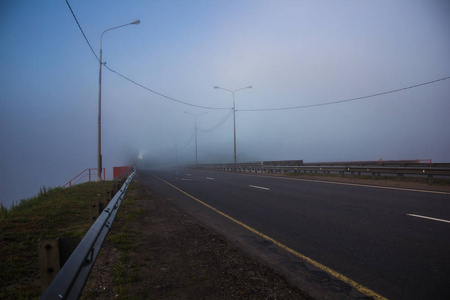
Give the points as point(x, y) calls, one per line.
point(259, 187)
point(210, 178)
point(429, 218)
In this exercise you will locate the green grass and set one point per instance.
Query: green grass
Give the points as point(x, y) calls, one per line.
point(53, 213)
point(124, 238)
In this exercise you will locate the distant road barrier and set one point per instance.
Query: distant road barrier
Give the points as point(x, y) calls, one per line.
point(70, 281)
point(119, 171)
point(374, 168)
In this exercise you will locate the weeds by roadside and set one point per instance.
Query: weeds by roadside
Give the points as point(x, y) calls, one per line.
point(54, 212)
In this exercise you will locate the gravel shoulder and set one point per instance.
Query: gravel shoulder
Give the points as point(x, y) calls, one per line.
point(173, 256)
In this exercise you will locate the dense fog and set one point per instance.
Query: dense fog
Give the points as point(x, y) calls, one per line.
point(303, 59)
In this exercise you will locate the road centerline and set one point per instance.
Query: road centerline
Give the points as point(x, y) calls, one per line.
point(259, 187)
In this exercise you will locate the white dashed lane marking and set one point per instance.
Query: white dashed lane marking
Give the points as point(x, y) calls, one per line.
point(259, 187)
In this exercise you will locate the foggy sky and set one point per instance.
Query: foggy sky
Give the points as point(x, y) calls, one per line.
point(293, 53)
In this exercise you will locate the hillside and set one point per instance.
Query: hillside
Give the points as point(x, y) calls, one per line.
point(59, 212)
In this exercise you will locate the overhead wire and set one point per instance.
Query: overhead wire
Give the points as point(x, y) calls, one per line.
point(248, 110)
point(218, 124)
point(132, 81)
point(162, 95)
point(348, 100)
point(189, 142)
point(81, 29)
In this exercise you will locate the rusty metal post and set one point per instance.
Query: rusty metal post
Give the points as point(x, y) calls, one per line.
point(48, 261)
point(94, 211)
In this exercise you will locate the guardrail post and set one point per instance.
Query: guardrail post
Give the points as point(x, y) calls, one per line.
point(53, 254)
point(48, 261)
point(94, 211)
point(430, 179)
point(108, 196)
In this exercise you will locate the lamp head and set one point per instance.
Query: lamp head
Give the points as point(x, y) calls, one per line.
point(136, 22)
point(216, 87)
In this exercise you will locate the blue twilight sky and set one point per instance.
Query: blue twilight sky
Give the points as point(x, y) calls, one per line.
point(293, 53)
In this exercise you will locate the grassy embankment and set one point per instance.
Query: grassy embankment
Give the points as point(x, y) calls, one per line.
point(53, 213)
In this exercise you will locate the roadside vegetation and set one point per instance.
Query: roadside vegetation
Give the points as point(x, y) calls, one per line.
point(53, 213)
point(123, 238)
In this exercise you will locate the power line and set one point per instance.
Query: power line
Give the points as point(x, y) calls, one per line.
point(162, 95)
point(81, 29)
point(218, 124)
point(189, 142)
point(132, 81)
point(261, 109)
point(349, 100)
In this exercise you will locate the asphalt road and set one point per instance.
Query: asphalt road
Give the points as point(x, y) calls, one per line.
point(381, 238)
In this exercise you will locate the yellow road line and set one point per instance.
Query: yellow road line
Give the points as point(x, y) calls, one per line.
point(366, 291)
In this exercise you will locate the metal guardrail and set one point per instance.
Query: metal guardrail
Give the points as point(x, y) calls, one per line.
point(70, 281)
point(388, 168)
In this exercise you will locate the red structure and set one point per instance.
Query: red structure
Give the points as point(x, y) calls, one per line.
point(82, 176)
point(117, 171)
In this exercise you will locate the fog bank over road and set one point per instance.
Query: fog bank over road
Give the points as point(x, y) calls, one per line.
point(303, 59)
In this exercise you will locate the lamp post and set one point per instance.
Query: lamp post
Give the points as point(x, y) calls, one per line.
point(234, 113)
point(99, 149)
point(195, 116)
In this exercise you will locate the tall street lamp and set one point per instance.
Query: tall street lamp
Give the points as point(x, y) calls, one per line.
point(99, 157)
point(195, 116)
point(234, 113)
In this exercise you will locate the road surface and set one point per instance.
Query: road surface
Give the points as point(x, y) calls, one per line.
point(392, 242)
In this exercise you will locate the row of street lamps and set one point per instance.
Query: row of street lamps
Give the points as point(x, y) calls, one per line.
point(99, 149)
point(234, 120)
